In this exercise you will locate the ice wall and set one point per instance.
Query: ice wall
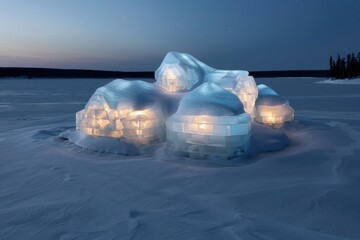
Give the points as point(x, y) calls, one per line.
point(238, 83)
point(272, 109)
point(124, 109)
point(181, 72)
point(209, 124)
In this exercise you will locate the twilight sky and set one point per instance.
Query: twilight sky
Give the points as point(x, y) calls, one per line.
point(136, 34)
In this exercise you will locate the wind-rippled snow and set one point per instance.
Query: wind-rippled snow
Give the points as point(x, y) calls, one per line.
point(52, 189)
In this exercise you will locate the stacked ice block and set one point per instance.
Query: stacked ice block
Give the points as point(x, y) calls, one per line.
point(181, 72)
point(124, 109)
point(209, 124)
point(272, 109)
point(213, 114)
point(238, 83)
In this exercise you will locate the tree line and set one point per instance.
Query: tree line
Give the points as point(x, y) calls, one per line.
point(345, 67)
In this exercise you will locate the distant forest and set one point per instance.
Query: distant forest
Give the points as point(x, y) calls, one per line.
point(345, 67)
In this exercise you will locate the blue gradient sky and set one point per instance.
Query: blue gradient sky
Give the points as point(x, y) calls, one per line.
point(136, 34)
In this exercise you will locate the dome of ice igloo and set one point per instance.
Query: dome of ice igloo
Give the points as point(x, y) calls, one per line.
point(272, 109)
point(181, 72)
point(124, 109)
point(210, 124)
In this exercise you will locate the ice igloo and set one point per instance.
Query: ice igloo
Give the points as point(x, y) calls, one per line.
point(180, 72)
point(272, 109)
point(210, 123)
point(239, 83)
point(124, 109)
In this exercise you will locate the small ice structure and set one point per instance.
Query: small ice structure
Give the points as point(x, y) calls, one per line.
point(180, 72)
point(124, 109)
point(210, 124)
point(238, 83)
point(272, 109)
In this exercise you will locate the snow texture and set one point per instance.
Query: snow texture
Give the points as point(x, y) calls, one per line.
point(209, 124)
point(272, 109)
point(52, 189)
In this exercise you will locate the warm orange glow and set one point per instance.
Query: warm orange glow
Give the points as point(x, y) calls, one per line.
point(171, 80)
point(170, 75)
point(274, 116)
point(102, 123)
point(205, 128)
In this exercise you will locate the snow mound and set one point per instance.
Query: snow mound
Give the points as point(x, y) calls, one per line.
point(100, 144)
point(265, 139)
point(210, 99)
point(123, 94)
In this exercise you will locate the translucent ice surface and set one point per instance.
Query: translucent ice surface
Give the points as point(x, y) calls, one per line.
point(238, 83)
point(272, 109)
point(210, 124)
point(124, 109)
point(181, 72)
point(226, 78)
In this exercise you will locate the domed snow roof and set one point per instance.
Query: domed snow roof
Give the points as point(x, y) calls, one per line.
point(263, 89)
point(121, 93)
point(270, 100)
point(210, 99)
point(267, 96)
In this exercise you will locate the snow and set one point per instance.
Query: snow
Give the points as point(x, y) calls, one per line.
point(53, 189)
point(355, 81)
point(124, 94)
point(210, 99)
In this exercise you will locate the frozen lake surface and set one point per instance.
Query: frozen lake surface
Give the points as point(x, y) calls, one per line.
point(52, 189)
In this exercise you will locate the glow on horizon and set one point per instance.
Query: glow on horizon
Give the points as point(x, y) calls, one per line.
point(135, 35)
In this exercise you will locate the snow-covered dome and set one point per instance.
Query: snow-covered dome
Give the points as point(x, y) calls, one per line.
point(210, 99)
point(123, 94)
point(209, 124)
point(272, 109)
point(124, 109)
point(181, 72)
point(265, 90)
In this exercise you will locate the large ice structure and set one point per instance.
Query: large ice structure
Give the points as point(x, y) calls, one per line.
point(181, 72)
point(272, 109)
point(124, 109)
point(239, 83)
point(210, 123)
